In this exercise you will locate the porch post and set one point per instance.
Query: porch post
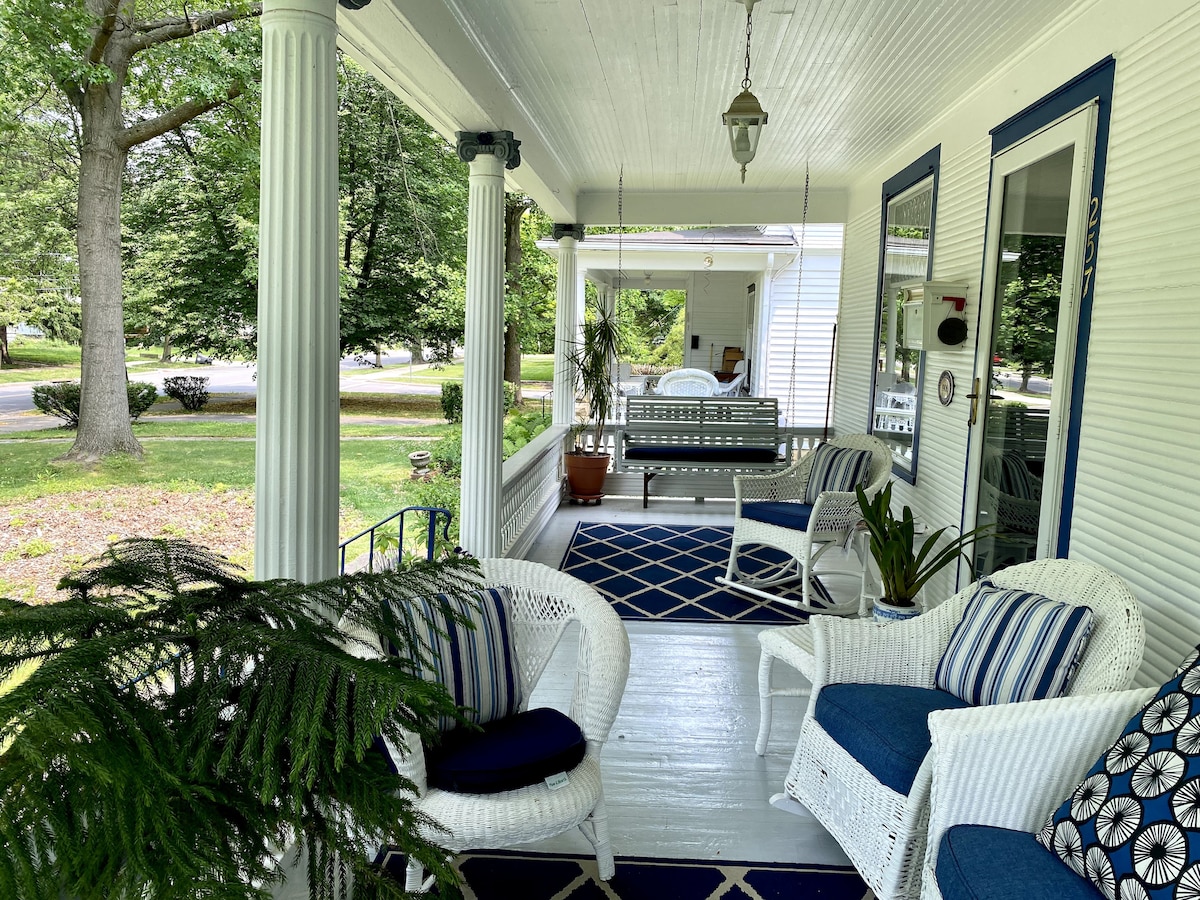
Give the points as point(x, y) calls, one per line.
point(488, 153)
point(567, 321)
point(297, 453)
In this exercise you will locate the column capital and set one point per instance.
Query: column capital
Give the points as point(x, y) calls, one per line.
point(562, 230)
point(500, 144)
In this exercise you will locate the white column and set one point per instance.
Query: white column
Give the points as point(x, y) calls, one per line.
point(483, 379)
point(296, 464)
point(568, 322)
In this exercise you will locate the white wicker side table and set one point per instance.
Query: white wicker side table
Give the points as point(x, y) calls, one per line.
point(793, 644)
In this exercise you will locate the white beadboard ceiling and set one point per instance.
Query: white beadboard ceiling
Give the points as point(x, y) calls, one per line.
point(590, 86)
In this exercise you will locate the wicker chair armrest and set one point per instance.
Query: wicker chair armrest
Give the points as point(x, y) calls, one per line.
point(602, 663)
point(834, 511)
point(1011, 765)
point(863, 652)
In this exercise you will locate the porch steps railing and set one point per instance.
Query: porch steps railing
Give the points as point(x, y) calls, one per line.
point(372, 557)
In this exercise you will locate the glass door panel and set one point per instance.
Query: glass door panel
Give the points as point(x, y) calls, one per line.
point(1024, 366)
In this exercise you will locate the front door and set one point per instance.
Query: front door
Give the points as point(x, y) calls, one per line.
point(1037, 219)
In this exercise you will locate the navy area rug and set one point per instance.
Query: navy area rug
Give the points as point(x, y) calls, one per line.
point(670, 572)
point(507, 875)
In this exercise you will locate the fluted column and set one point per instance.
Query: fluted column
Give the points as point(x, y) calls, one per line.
point(483, 393)
point(567, 321)
point(296, 464)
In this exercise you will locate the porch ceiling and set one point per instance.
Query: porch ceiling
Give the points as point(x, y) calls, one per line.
point(591, 85)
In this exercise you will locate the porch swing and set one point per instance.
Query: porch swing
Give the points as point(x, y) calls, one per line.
point(807, 508)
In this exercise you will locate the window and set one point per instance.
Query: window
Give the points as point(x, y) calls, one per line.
point(905, 254)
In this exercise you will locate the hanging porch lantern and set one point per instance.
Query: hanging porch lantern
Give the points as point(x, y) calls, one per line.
point(745, 116)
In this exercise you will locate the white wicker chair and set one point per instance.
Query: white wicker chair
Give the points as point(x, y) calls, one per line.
point(688, 383)
point(1010, 766)
point(882, 831)
point(544, 603)
point(833, 515)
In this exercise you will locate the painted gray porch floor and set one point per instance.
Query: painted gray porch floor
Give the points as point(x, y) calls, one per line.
point(681, 777)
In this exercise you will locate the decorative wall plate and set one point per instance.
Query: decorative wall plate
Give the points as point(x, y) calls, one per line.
point(946, 387)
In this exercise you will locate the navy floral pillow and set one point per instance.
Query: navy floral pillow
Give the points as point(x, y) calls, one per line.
point(1133, 826)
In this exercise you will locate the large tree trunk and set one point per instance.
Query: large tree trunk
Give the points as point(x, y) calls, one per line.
point(104, 426)
point(5, 359)
point(515, 207)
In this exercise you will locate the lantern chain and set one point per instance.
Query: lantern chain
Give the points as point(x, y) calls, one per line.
point(749, 31)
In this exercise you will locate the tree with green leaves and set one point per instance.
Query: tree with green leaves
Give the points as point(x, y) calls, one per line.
point(169, 723)
point(131, 73)
point(1028, 325)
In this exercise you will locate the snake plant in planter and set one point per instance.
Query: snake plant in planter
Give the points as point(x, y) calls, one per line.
point(169, 723)
point(905, 567)
point(593, 360)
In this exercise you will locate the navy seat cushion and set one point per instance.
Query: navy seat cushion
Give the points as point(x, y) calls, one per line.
point(779, 512)
point(979, 862)
point(507, 754)
point(703, 454)
point(883, 726)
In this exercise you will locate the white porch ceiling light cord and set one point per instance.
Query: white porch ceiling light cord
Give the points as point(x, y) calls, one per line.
point(745, 116)
point(791, 396)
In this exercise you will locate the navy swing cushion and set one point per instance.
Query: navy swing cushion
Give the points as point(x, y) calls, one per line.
point(779, 512)
point(981, 862)
point(507, 754)
point(883, 726)
point(701, 454)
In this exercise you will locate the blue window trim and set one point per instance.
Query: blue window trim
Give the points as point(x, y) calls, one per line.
point(1094, 84)
point(918, 170)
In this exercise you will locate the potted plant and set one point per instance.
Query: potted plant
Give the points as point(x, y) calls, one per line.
point(905, 567)
point(168, 723)
point(593, 360)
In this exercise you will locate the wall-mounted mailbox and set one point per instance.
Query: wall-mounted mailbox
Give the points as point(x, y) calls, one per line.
point(934, 315)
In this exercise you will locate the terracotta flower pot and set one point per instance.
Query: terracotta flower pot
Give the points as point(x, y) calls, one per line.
point(585, 475)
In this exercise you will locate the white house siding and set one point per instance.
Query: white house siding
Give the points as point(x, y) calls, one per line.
point(1137, 508)
point(856, 323)
point(718, 313)
point(800, 329)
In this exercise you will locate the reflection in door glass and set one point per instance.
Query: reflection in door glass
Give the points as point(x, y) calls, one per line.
point(897, 373)
point(1017, 411)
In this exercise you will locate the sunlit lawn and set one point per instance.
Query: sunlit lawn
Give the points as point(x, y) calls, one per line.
point(39, 359)
point(534, 367)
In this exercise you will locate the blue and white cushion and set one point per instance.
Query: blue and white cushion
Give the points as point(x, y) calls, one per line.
point(836, 469)
point(478, 666)
point(1132, 827)
point(1013, 645)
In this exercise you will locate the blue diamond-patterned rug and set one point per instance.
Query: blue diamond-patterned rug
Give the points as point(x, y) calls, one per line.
point(670, 572)
point(509, 875)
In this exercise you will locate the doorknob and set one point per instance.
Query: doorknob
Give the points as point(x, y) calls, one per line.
point(974, 398)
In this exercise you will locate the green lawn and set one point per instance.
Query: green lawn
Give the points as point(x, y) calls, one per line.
point(534, 367)
point(38, 359)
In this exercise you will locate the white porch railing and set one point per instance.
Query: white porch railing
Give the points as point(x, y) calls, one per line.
point(531, 489)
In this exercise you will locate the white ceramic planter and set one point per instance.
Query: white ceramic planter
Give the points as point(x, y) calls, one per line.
point(885, 612)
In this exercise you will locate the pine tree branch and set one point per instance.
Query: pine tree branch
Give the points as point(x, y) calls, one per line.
point(172, 119)
point(160, 31)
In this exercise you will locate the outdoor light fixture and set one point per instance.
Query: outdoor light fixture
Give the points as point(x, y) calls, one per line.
point(745, 117)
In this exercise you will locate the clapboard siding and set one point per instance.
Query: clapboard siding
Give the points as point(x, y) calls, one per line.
point(1137, 510)
point(719, 315)
point(856, 324)
point(1137, 507)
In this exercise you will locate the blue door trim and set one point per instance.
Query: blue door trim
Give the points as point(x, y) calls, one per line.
point(1094, 84)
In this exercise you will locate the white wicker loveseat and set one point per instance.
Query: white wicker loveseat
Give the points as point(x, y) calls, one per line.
point(771, 510)
point(544, 604)
point(883, 828)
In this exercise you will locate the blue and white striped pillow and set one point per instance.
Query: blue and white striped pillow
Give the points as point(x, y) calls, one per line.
point(1013, 645)
point(836, 469)
point(477, 666)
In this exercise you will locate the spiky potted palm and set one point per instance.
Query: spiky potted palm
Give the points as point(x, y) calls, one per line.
point(593, 360)
point(905, 564)
point(169, 724)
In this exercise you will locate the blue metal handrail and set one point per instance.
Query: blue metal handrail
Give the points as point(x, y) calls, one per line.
point(430, 539)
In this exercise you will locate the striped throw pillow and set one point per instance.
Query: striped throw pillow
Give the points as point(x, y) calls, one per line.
point(836, 469)
point(1013, 645)
point(478, 666)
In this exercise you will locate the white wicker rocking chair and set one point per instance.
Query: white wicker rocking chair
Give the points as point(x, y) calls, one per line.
point(882, 831)
point(544, 603)
point(833, 515)
point(688, 383)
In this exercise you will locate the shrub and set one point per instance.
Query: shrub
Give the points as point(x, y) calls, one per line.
point(62, 399)
point(190, 390)
point(447, 455)
point(452, 401)
point(510, 397)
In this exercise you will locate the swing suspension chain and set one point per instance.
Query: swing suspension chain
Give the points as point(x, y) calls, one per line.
point(796, 324)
